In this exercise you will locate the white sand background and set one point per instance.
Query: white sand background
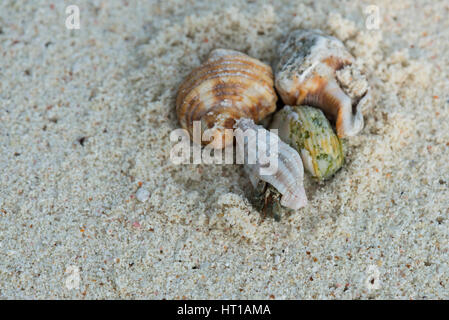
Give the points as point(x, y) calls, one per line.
point(85, 115)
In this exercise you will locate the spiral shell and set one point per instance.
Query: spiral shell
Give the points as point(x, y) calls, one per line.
point(228, 86)
point(289, 176)
point(308, 131)
point(317, 70)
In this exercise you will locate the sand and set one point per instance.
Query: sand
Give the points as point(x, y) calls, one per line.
point(85, 119)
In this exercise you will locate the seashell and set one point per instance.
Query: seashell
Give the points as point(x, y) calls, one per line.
point(309, 132)
point(316, 69)
point(288, 178)
point(228, 86)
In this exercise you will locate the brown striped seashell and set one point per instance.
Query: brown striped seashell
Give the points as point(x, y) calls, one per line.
point(228, 86)
point(316, 69)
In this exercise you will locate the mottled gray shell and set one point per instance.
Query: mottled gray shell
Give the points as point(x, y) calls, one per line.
point(303, 50)
point(316, 69)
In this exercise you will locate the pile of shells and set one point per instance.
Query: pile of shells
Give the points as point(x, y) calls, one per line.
point(321, 87)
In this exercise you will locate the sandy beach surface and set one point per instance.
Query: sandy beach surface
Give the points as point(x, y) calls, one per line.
point(91, 206)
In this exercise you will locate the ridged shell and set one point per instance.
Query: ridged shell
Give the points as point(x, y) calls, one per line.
point(316, 69)
point(288, 179)
point(228, 86)
point(309, 132)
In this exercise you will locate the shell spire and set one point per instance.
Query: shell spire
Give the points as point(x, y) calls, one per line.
point(316, 69)
point(228, 86)
point(288, 175)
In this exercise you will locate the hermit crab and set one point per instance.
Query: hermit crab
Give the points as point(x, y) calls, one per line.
point(316, 78)
point(316, 69)
point(307, 130)
point(231, 90)
point(288, 173)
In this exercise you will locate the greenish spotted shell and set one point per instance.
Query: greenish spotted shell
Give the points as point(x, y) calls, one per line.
point(307, 130)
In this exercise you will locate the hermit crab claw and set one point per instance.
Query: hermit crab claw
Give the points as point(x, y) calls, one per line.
point(316, 69)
